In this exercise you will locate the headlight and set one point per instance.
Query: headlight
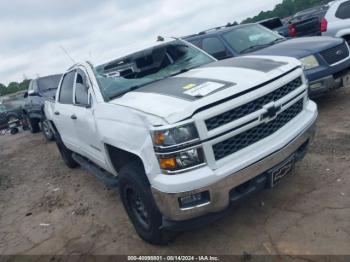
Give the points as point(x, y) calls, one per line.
point(309, 62)
point(175, 136)
point(178, 161)
point(170, 146)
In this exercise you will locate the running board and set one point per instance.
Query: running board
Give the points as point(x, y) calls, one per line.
point(93, 169)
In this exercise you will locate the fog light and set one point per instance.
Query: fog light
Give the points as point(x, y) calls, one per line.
point(167, 163)
point(194, 200)
point(316, 86)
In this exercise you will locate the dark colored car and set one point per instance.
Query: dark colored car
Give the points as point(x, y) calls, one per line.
point(9, 113)
point(326, 60)
point(39, 90)
point(275, 24)
point(310, 22)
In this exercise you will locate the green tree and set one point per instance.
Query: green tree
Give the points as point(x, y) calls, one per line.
point(2, 89)
point(285, 9)
point(14, 87)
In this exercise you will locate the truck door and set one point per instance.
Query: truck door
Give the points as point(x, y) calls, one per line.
point(64, 112)
point(84, 123)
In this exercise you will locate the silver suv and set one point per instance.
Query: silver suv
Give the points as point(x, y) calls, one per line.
point(337, 20)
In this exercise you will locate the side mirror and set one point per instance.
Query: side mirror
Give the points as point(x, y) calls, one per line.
point(25, 95)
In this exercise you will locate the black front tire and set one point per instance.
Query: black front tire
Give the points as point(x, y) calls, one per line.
point(46, 130)
point(33, 124)
point(139, 204)
point(66, 154)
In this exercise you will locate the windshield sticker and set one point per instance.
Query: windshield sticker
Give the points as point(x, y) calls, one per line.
point(189, 86)
point(203, 89)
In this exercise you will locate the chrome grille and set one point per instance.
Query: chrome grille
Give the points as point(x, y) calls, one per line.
point(335, 54)
point(252, 106)
point(255, 134)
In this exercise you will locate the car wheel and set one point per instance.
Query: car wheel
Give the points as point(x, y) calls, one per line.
point(33, 124)
point(66, 154)
point(47, 130)
point(14, 131)
point(139, 204)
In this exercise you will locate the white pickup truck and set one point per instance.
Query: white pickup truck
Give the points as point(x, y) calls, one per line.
point(182, 135)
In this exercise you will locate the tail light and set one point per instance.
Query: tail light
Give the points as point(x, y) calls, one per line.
point(292, 30)
point(324, 25)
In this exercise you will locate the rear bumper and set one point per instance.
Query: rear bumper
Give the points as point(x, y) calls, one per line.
point(221, 196)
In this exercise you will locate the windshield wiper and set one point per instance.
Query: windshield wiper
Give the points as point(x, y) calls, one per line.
point(277, 40)
point(179, 72)
point(255, 47)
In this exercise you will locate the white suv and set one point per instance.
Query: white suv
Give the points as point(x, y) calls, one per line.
point(337, 20)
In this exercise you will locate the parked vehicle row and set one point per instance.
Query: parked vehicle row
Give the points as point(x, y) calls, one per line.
point(326, 60)
point(183, 135)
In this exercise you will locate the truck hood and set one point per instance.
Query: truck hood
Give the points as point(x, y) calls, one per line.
point(300, 47)
point(176, 98)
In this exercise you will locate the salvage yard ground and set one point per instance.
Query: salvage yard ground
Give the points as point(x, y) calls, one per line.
point(47, 208)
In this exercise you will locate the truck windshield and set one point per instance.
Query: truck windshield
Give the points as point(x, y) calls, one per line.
point(133, 71)
point(250, 38)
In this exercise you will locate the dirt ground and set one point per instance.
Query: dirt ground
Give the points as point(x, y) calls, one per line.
point(47, 208)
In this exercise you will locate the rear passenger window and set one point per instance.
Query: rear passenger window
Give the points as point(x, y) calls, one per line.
point(343, 11)
point(66, 91)
point(215, 47)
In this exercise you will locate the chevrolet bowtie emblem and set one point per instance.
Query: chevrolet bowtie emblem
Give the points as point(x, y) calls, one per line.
point(272, 111)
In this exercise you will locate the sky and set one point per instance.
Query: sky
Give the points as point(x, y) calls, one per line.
point(35, 32)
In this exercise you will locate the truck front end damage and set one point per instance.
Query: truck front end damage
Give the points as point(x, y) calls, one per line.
point(230, 149)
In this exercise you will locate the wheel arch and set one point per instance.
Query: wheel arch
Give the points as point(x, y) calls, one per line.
point(119, 158)
point(8, 115)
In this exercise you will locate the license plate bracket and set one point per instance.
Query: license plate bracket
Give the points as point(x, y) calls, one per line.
point(283, 169)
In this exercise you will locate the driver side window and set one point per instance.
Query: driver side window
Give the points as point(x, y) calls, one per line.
point(81, 90)
point(215, 47)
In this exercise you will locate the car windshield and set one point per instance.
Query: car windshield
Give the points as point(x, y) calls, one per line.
point(250, 38)
point(133, 71)
point(48, 82)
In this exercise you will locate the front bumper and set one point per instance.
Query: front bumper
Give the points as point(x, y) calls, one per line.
point(168, 203)
point(328, 83)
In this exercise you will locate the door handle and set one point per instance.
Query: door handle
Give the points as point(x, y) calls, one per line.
point(57, 113)
point(74, 117)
